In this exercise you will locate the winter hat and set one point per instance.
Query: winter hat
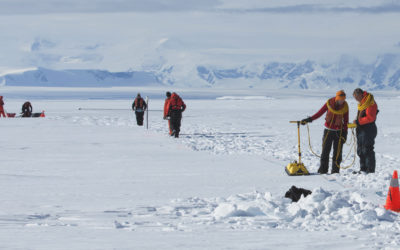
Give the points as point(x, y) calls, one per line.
point(340, 96)
point(168, 94)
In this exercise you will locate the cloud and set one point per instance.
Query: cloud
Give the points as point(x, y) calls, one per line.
point(83, 58)
point(12, 7)
point(40, 44)
point(317, 8)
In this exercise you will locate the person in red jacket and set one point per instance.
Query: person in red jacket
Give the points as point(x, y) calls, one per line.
point(366, 129)
point(139, 106)
point(166, 117)
point(175, 108)
point(2, 113)
point(335, 133)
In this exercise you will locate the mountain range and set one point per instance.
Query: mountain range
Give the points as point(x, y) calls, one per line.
point(381, 74)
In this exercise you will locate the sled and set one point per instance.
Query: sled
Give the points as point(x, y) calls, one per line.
point(33, 115)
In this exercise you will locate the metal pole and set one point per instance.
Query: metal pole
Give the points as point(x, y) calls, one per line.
point(147, 112)
point(298, 137)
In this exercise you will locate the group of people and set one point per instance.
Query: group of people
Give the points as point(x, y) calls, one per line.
point(173, 108)
point(336, 126)
point(26, 110)
point(335, 132)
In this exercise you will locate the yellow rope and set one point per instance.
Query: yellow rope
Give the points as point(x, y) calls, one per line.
point(338, 112)
point(369, 100)
point(352, 145)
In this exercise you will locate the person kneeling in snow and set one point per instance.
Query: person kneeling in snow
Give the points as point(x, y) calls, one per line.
point(366, 129)
point(27, 109)
point(175, 108)
point(139, 106)
point(335, 132)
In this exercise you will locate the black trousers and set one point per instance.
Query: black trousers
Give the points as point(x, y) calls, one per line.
point(139, 117)
point(332, 139)
point(366, 135)
point(176, 117)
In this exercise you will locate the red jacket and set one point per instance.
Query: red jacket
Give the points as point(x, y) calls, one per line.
point(139, 103)
point(329, 124)
point(1, 104)
point(369, 114)
point(176, 103)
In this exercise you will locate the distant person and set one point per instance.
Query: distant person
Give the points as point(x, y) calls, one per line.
point(139, 106)
point(366, 129)
point(27, 109)
point(2, 113)
point(335, 133)
point(175, 108)
point(166, 116)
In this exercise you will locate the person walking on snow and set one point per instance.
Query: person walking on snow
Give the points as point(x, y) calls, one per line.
point(175, 108)
point(335, 132)
point(2, 113)
point(139, 106)
point(166, 117)
point(366, 129)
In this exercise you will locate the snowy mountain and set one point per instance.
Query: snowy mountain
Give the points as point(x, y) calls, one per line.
point(383, 73)
point(79, 78)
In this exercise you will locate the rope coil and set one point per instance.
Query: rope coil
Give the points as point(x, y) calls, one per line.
point(352, 145)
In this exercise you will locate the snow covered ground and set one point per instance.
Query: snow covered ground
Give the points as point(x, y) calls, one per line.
point(92, 179)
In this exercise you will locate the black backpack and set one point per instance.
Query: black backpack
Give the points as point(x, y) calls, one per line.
point(295, 193)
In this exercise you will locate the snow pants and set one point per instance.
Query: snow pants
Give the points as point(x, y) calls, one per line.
point(366, 135)
point(2, 113)
point(332, 139)
point(176, 117)
point(139, 117)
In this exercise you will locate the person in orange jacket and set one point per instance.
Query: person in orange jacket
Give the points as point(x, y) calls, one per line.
point(366, 129)
point(335, 133)
point(175, 108)
point(166, 117)
point(2, 113)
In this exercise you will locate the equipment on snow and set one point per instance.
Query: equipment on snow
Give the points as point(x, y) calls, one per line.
point(393, 198)
point(297, 168)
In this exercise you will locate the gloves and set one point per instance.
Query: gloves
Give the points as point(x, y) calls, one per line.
point(305, 121)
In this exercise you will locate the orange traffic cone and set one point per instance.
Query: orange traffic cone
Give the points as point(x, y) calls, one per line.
point(393, 198)
point(42, 114)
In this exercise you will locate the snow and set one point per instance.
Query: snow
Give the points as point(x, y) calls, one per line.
point(92, 179)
